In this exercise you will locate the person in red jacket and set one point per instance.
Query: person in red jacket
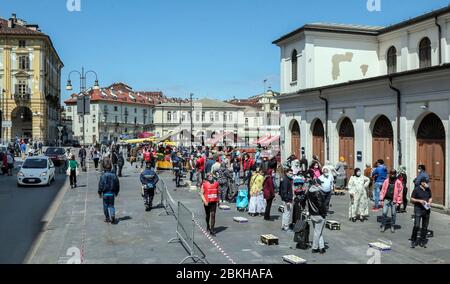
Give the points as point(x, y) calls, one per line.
point(269, 193)
point(200, 167)
point(210, 198)
point(391, 196)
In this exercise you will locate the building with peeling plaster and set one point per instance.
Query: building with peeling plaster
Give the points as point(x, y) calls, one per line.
point(30, 76)
point(369, 93)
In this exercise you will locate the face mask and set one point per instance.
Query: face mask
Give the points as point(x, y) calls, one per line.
point(211, 180)
point(358, 174)
point(393, 177)
point(316, 167)
point(290, 176)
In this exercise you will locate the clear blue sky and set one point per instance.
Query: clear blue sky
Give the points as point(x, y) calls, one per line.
point(213, 48)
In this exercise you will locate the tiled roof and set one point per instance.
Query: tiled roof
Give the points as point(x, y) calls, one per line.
point(121, 93)
point(18, 29)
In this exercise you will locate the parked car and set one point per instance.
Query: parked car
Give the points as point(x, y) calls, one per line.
point(57, 155)
point(36, 171)
point(75, 144)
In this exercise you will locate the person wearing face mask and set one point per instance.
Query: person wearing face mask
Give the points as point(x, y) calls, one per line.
point(327, 187)
point(210, 197)
point(422, 199)
point(287, 196)
point(392, 196)
point(269, 193)
point(359, 202)
point(315, 171)
point(404, 178)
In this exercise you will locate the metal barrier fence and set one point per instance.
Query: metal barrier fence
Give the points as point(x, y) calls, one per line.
point(167, 201)
point(186, 233)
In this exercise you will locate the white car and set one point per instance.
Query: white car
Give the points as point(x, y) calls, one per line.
point(36, 171)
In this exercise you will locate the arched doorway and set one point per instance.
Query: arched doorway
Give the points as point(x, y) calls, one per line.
point(319, 140)
point(295, 139)
point(431, 153)
point(347, 144)
point(383, 142)
point(22, 123)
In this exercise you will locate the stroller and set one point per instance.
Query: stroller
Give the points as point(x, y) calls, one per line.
point(242, 200)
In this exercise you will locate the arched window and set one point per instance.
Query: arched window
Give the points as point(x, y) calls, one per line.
point(392, 60)
point(169, 116)
point(425, 53)
point(294, 66)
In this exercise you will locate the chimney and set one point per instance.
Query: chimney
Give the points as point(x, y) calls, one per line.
point(12, 21)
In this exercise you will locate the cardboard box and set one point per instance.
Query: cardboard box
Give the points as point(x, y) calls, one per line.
point(333, 225)
point(240, 220)
point(269, 240)
point(293, 259)
point(380, 246)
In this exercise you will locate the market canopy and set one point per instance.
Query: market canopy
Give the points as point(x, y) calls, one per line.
point(145, 135)
point(268, 141)
point(137, 141)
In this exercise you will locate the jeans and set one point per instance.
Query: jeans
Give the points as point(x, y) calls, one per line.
point(389, 204)
point(120, 171)
point(191, 177)
point(376, 194)
point(108, 207)
point(96, 163)
point(237, 178)
point(149, 194)
point(73, 178)
point(425, 218)
point(268, 206)
point(326, 200)
point(286, 219)
point(318, 224)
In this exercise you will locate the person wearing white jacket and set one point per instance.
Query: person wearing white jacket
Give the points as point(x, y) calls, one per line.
point(359, 201)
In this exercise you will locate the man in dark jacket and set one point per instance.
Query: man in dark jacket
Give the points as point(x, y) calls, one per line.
point(149, 180)
point(120, 163)
point(287, 196)
point(108, 189)
point(317, 212)
point(82, 155)
point(114, 160)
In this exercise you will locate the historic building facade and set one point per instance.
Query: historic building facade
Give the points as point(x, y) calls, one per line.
point(30, 77)
point(368, 93)
point(115, 111)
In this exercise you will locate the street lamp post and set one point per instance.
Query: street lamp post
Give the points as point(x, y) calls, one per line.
point(192, 121)
point(1, 114)
point(69, 87)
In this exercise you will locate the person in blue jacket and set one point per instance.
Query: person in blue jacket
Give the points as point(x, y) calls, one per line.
point(379, 175)
point(108, 189)
point(149, 179)
point(422, 175)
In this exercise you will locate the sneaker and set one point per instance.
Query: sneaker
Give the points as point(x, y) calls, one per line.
point(413, 245)
point(323, 251)
point(315, 251)
point(107, 220)
point(113, 220)
point(383, 229)
point(423, 244)
point(392, 229)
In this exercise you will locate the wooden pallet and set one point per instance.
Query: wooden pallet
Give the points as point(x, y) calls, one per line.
point(269, 240)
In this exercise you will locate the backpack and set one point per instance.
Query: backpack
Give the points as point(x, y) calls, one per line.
point(301, 236)
point(223, 180)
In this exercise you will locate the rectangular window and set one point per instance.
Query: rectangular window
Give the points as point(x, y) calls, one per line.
point(135, 110)
point(217, 116)
point(211, 116)
point(197, 116)
point(69, 109)
point(224, 116)
point(115, 119)
point(169, 116)
point(246, 121)
point(94, 107)
point(93, 129)
point(174, 116)
point(230, 116)
point(183, 117)
point(115, 108)
point(22, 43)
point(94, 119)
point(24, 62)
point(22, 87)
point(203, 116)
